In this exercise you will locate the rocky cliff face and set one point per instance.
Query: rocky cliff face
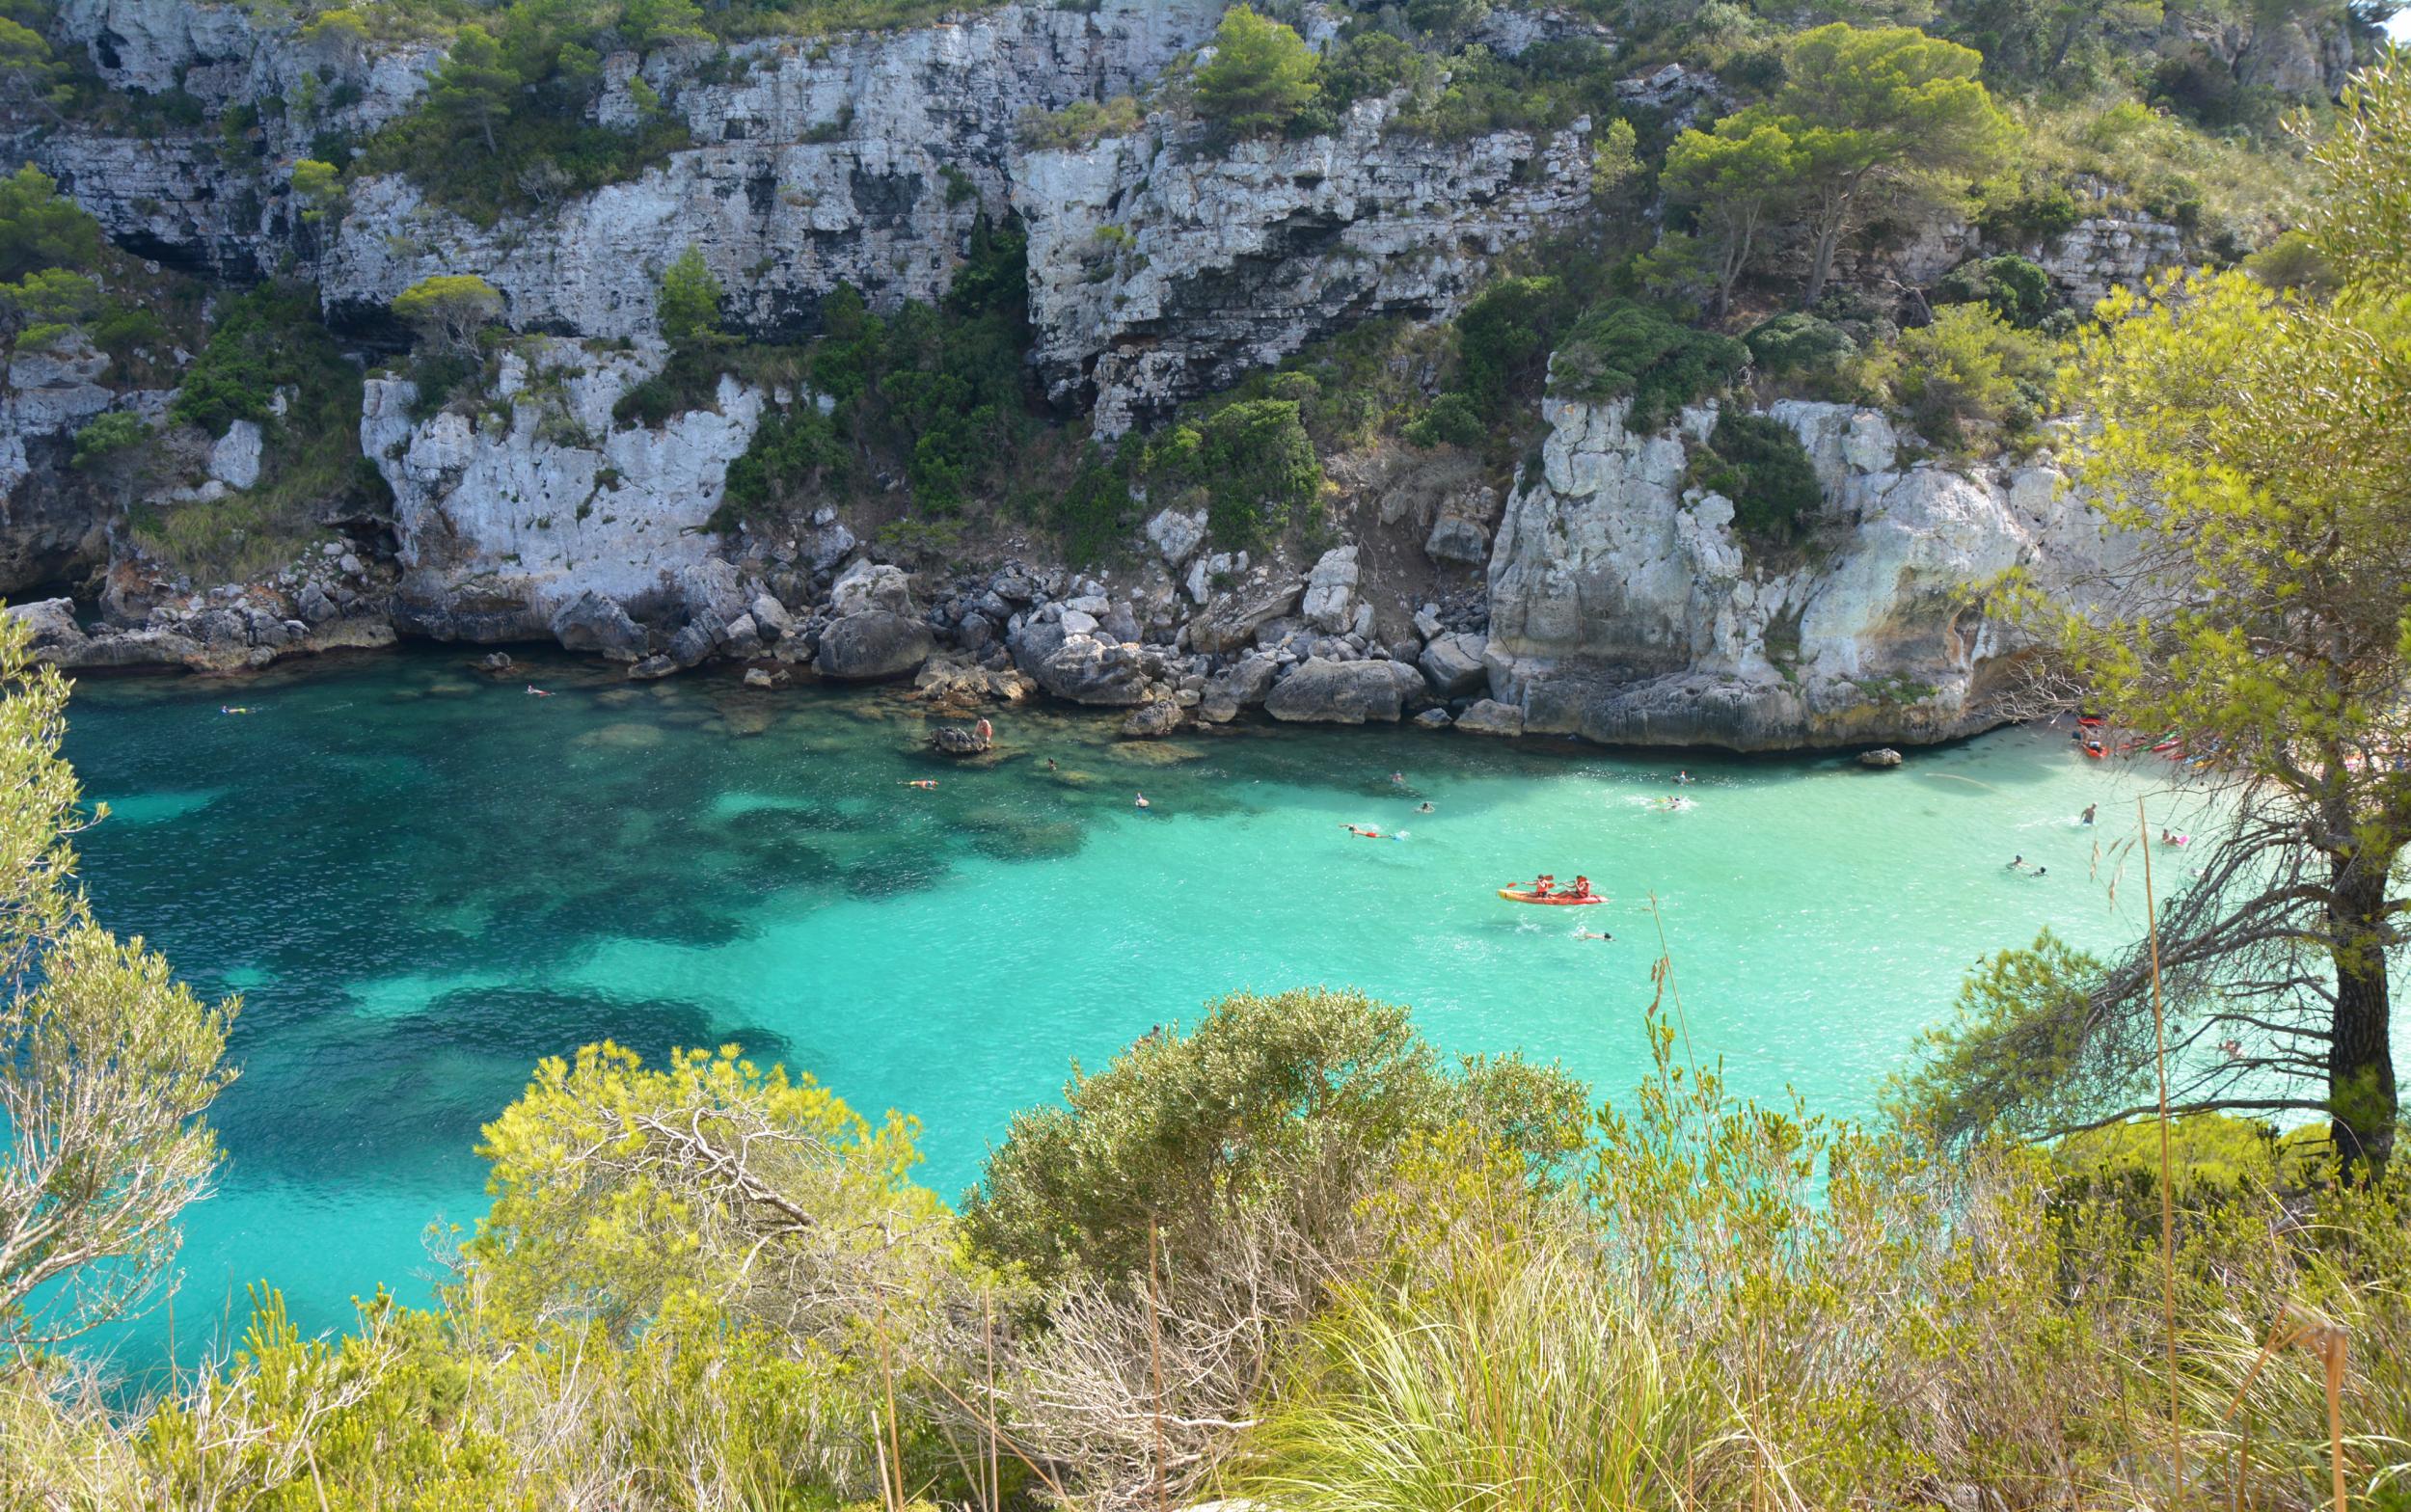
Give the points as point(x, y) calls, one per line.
point(1625, 607)
point(190, 193)
point(1158, 273)
point(1160, 268)
point(51, 523)
point(860, 160)
point(507, 515)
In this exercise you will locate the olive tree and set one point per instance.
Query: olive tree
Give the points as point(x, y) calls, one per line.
point(106, 1062)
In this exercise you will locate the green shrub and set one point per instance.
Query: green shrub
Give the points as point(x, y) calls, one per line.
point(795, 456)
point(1092, 514)
point(267, 339)
point(1626, 349)
point(688, 303)
point(1079, 125)
point(1262, 74)
point(1369, 65)
point(1968, 371)
point(107, 435)
point(440, 374)
point(1255, 462)
point(1759, 464)
point(1798, 342)
point(1306, 1093)
point(1450, 422)
point(1503, 336)
point(2018, 207)
point(2016, 290)
point(40, 227)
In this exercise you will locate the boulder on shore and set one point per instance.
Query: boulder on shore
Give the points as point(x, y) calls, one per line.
point(874, 645)
point(1324, 691)
point(1081, 668)
point(591, 622)
point(1454, 666)
point(1489, 717)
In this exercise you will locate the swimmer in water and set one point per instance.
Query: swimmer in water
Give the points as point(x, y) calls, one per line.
point(1361, 832)
point(1050, 764)
point(1142, 802)
point(232, 709)
point(923, 783)
point(1682, 780)
point(2088, 812)
point(533, 692)
point(1424, 807)
point(1397, 779)
point(2017, 863)
point(1585, 934)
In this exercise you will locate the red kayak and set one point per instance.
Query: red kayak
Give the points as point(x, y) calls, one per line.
point(1569, 900)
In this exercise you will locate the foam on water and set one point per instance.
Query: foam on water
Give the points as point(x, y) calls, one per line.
point(423, 881)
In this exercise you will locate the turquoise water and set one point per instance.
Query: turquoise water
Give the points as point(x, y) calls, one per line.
point(421, 880)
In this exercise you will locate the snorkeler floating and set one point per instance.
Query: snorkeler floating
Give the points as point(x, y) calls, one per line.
point(533, 692)
point(1366, 832)
point(922, 782)
point(232, 709)
point(1142, 802)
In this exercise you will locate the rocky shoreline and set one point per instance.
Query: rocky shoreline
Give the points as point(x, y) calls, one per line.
point(1640, 621)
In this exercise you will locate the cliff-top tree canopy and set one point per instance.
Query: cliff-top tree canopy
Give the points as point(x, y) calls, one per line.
point(1261, 77)
point(2251, 444)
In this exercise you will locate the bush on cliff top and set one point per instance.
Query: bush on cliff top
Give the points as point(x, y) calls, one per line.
point(1260, 77)
point(1625, 349)
point(1759, 464)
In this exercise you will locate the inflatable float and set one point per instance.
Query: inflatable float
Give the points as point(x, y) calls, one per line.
point(1515, 895)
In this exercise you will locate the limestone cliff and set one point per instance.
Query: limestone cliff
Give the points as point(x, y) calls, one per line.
point(1158, 273)
point(508, 513)
point(1626, 608)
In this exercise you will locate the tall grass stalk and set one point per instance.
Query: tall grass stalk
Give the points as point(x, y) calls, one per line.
point(1526, 1382)
point(2168, 1177)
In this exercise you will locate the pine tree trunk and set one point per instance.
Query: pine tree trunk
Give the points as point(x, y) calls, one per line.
point(2362, 1097)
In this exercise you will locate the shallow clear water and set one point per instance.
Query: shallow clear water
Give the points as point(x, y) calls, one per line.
point(421, 880)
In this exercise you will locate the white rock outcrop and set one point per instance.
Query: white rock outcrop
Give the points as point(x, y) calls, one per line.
point(1160, 271)
point(507, 515)
point(1625, 607)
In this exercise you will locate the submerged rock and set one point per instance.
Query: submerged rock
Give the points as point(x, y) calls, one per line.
point(1152, 721)
point(955, 739)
